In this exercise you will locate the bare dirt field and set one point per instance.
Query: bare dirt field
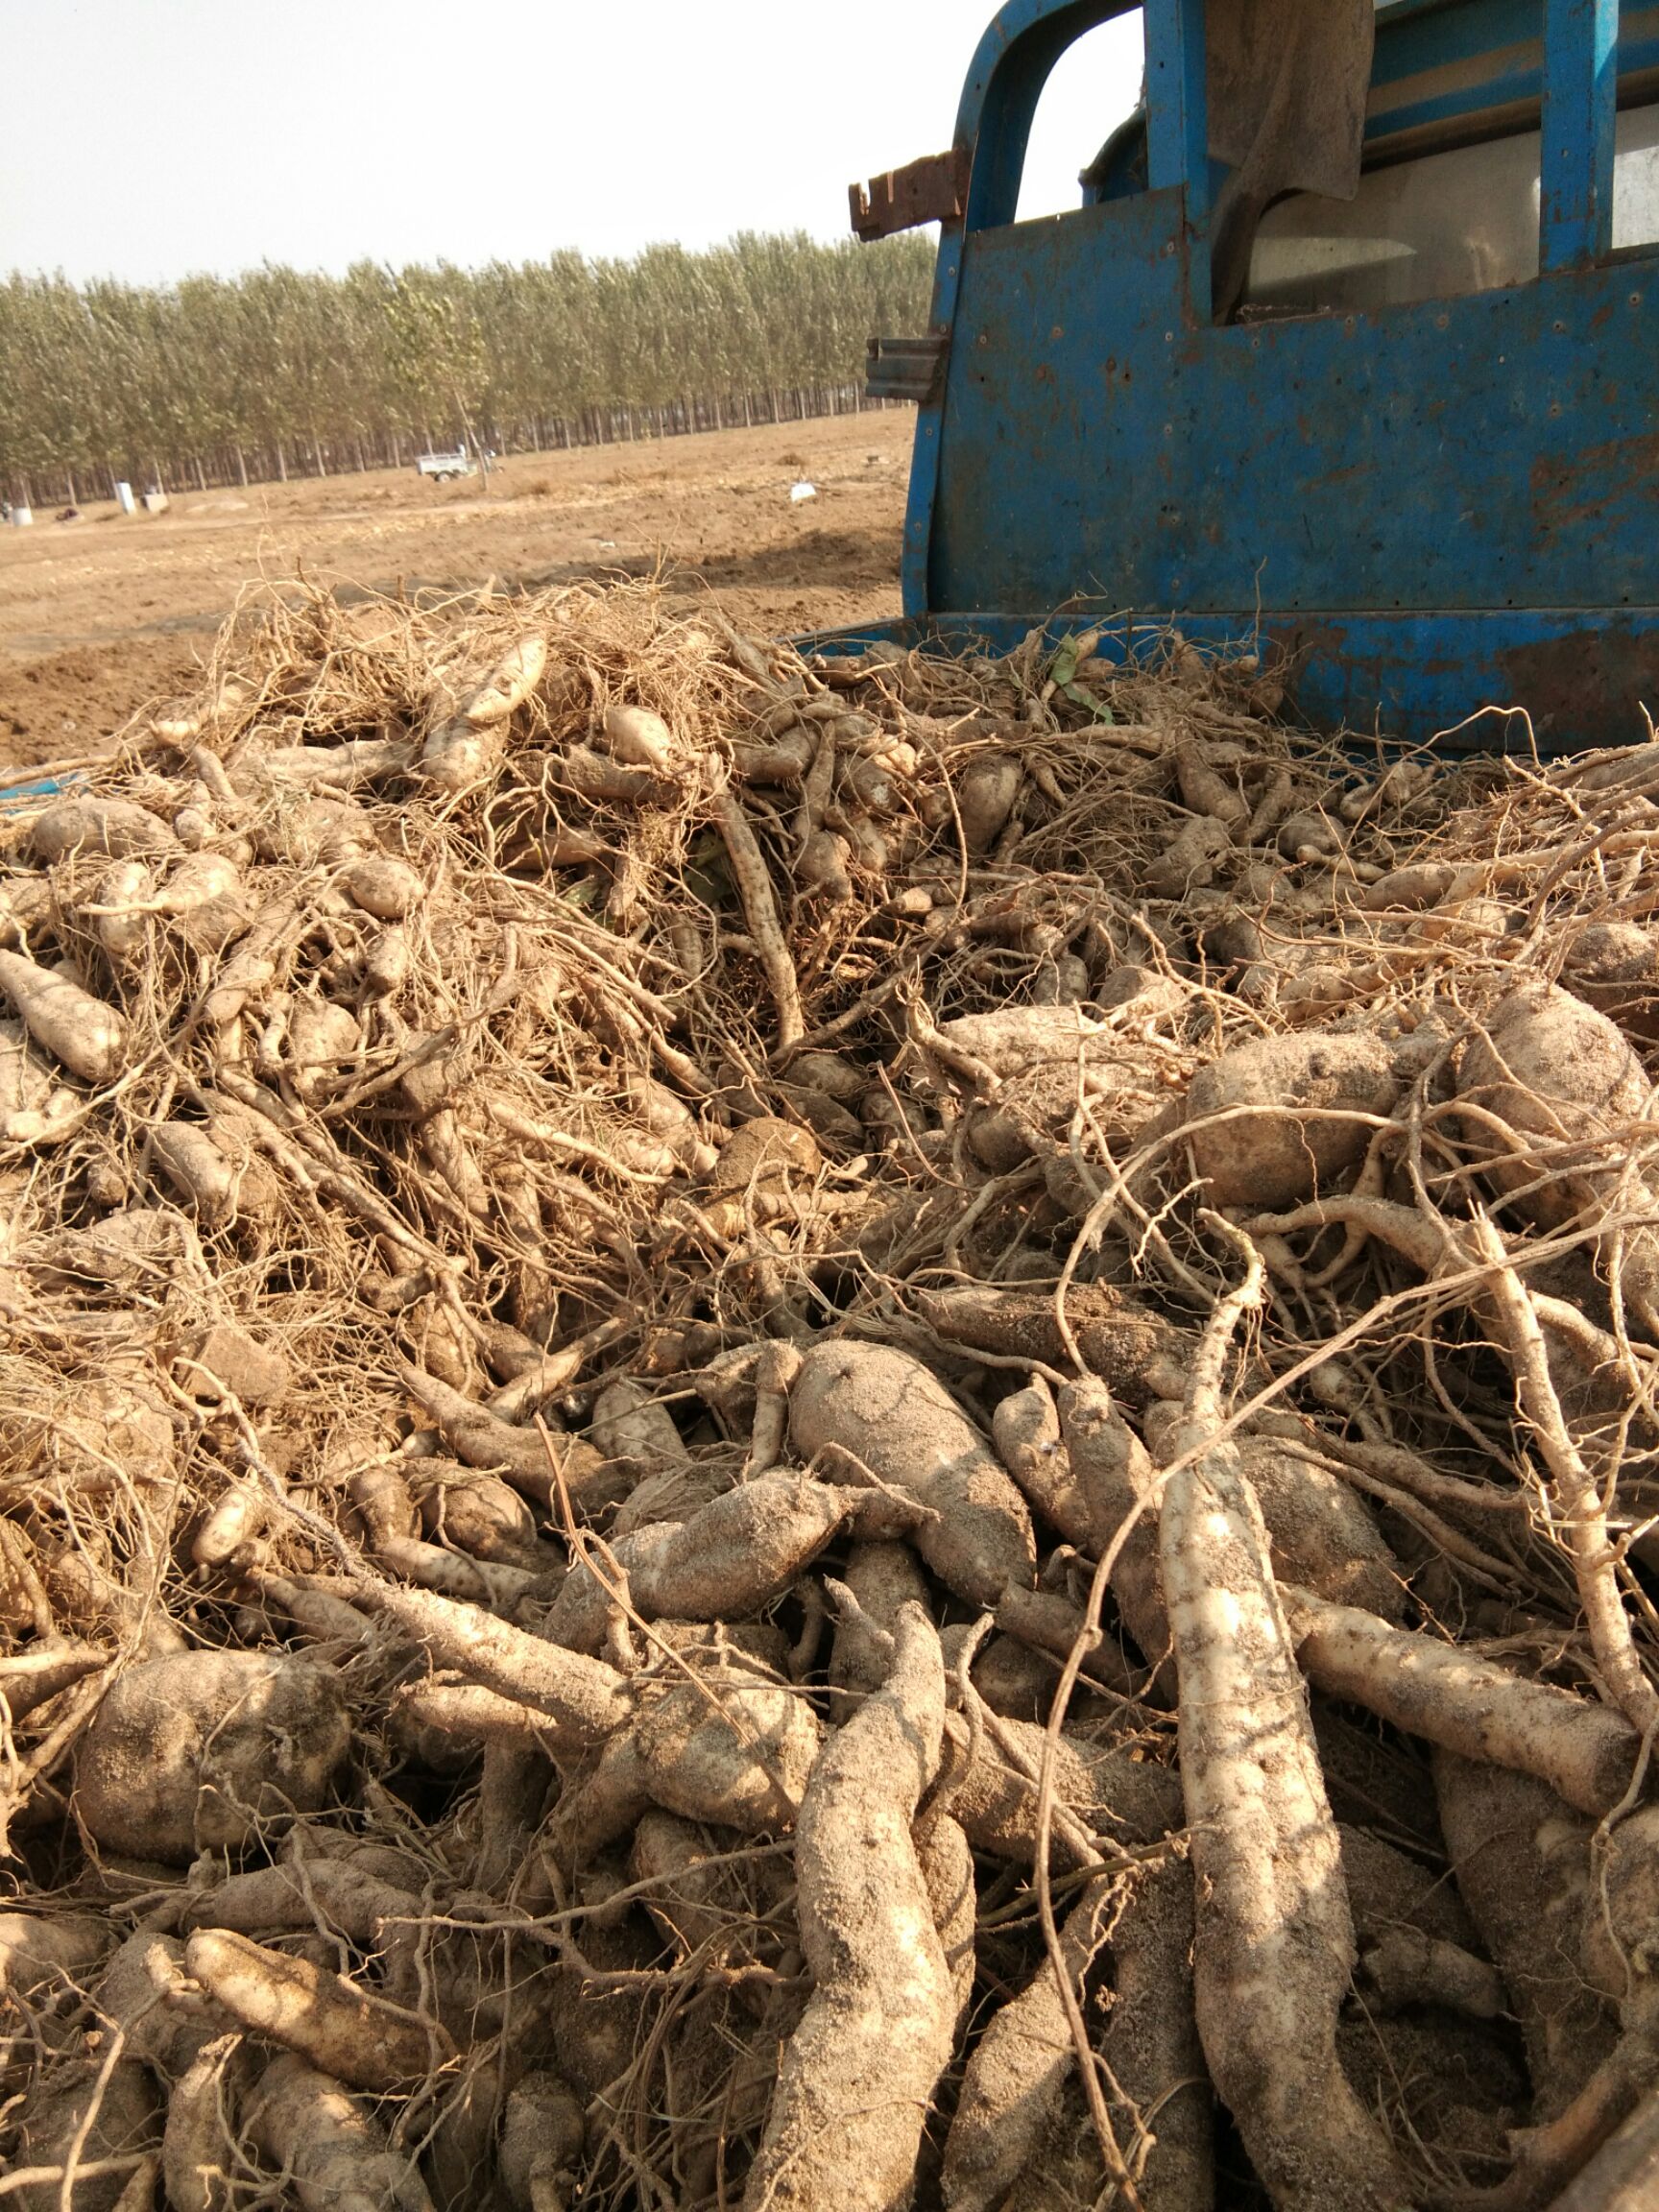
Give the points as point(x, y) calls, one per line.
point(99, 615)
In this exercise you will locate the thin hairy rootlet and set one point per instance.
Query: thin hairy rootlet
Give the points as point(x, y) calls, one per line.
point(797, 1431)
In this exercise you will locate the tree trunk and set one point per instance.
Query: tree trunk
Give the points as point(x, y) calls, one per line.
point(282, 463)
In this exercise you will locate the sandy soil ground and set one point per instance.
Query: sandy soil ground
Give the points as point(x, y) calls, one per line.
point(101, 616)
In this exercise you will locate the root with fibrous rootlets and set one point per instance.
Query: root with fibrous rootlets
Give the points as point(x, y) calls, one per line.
point(1274, 1947)
point(858, 2074)
point(780, 1429)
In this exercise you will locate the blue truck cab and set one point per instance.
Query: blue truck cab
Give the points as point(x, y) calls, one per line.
point(1407, 443)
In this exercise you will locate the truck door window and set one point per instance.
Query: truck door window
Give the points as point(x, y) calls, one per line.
point(1636, 180)
point(1462, 221)
point(1094, 88)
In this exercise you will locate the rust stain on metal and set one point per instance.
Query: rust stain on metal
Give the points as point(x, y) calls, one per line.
point(1576, 490)
point(1571, 685)
point(931, 190)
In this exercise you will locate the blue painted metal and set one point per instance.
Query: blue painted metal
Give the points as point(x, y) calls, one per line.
point(1005, 81)
point(1436, 63)
point(1439, 505)
point(1580, 89)
point(1177, 134)
point(42, 787)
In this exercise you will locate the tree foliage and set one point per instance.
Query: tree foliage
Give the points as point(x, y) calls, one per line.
point(279, 368)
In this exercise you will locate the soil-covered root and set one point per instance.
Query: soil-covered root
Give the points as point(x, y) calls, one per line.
point(359, 2039)
point(694, 1896)
point(893, 1417)
point(445, 1720)
point(1403, 1968)
point(1273, 1121)
point(729, 1561)
point(205, 1749)
point(194, 2050)
point(594, 2027)
point(1162, 2108)
point(328, 2145)
point(302, 1894)
point(1133, 1348)
point(946, 1858)
point(1618, 1947)
point(884, 1576)
point(995, 1789)
point(1521, 1861)
point(89, 1037)
point(581, 1701)
point(391, 1520)
point(1586, 1753)
point(858, 2074)
point(481, 1515)
point(1044, 1620)
point(1015, 2086)
point(728, 1747)
point(721, 1745)
point(1111, 1479)
point(43, 1953)
point(105, 2118)
point(149, 1994)
point(534, 1460)
point(1617, 2177)
point(196, 2151)
point(1275, 1947)
point(631, 1429)
point(1388, 1890)
point(513, 1785)
point(1025, 1427)
point(1013, 2082)
point(1554, 1084)
point(541, 2139)
point(1321, 1533)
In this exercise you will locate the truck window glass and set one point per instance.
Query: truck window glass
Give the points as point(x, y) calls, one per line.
point(1461, 221)
point(1094, 88)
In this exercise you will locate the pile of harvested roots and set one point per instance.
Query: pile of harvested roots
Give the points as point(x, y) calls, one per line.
point(806, 1435)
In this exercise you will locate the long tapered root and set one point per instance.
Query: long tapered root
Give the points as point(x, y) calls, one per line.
point(857, 2075)
point(1275, 1945)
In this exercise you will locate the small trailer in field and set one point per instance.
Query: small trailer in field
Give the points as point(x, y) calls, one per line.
point(441, 466)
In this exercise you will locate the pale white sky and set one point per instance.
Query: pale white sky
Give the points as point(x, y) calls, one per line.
point(149, 139)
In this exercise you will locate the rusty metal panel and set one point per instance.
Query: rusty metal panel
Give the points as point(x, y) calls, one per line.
point(1496, 450)
point(1425, 508)
point(931, 190)
point(905, 368)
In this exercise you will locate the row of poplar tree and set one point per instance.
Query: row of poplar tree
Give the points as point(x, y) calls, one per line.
point(280, 372)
